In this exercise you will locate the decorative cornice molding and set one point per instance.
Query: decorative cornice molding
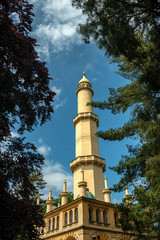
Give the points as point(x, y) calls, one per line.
point(90, 159)
point(86, 115)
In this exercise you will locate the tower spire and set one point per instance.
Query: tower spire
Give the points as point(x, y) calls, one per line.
point(127, 197)
point(64, 194)
point(87, 149)
point(49, 202)
point(106, 191)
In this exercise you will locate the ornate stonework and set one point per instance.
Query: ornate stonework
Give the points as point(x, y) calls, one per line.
point(91, 216)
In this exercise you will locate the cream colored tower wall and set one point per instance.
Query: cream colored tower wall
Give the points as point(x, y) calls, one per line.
point(93, 175)
point(94, 138)
point(84, 96)
point(86, 140)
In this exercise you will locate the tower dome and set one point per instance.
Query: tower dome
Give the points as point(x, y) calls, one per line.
point(84, 79)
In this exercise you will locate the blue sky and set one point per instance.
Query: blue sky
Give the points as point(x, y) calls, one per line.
point(66, 57)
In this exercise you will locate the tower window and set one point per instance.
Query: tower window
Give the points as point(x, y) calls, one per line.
point(97, 215)
point(53, 223)
point(90, 214)
point(71, 217)
point(57, 222)
point(66, 218)
point(76, 215)
point(116, 218)
point(49, 225)
point(105, 217)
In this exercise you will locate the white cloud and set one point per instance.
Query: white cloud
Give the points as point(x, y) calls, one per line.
point(95, 79)
point(14, 134)
point(58, 102)
point(40, 140)
point(54, 175)
point(44, 150)
point(57, 30)
point(88, 67)
point(116, 201)
point(56, 90)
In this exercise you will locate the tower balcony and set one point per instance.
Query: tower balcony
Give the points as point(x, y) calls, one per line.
point(86, 115)
point(85, 160)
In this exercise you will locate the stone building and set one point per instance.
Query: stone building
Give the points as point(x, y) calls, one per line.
point(91, 215)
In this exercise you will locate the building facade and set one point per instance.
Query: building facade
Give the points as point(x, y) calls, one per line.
point(91, 215)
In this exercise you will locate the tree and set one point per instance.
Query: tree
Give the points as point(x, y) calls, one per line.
point(20, 216)
point(25, 100)
point(113, 25)
point(129, 32)
point(25, 96)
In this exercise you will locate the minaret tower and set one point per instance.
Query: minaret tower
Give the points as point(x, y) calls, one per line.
point(87, 149)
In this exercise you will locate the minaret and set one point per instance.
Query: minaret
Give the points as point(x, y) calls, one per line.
point(82, 185)
point(38, 199)
point(87, 149)
point(64, 194)
point(127, 197)
point(107, 192)
point(49, 202)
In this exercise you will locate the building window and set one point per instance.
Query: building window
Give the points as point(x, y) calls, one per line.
point(65, 219)
point(53, 224)
point(49, 225)
point(71, 217)
point(76, 215)
point(97, 215)
point(90, 214)
point(116, 219)
point(58, 222)
point(105, 217)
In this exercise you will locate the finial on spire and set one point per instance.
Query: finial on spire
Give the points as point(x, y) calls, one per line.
point(38, 199)
point(84, 75)
point(126, 188)
point(50, 193)
point(106, 182)
point(64, 185)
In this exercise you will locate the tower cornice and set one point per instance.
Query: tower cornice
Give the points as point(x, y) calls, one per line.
point(86, 115)
point(85, 160)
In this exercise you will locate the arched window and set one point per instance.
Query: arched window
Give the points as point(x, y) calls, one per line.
point(97, 215)
point(57, 222)
point(76, 215)
point(53, 224)
point(66, 218)
point(105, 217)
point(49, 225)
point(116, 218)
point(90, 214)
point(71, 217)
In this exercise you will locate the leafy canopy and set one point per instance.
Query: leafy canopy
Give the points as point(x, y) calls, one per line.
point(129, 32)
point(25, 100)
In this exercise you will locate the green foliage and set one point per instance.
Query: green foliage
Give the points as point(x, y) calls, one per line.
point(25, 100)
point(70, 197)
point(37, 180)
point(18, 160)
point(115, 24)
point(129, 32)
